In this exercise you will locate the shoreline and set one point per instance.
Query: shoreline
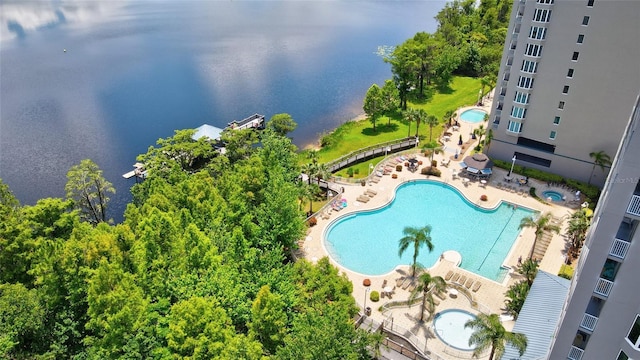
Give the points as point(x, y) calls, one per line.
point(316, 144)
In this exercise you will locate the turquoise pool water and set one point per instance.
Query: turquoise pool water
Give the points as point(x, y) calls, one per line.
point(553, 195)
point(367, 241)
point(473, 116)
point(449, 326)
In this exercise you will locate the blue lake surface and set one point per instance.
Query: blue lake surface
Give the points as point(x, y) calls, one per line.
point(134, 71)
point(367, 241)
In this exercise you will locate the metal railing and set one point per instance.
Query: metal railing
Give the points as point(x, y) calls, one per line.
point(575, 353)
point(603, 287)
point(361, 154)
point(634, 205)
point(619, 248)
point(589, 322)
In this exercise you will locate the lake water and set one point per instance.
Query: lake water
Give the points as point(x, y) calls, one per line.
point(135, 71)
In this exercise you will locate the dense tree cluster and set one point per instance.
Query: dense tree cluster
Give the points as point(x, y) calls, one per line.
point(199, 269)
point(469, 41)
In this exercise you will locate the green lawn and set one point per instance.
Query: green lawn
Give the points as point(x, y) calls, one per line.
point(355, 135)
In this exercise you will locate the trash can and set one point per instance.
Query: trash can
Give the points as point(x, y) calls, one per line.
point(367, 311)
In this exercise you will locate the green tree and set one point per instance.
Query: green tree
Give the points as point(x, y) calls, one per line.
point(373, 104)
point(541, 224)
point(282, 124)
point(21, 321)
point(490, 334)
point(577, 231)
point(178, 153)
point(528, 269)
point(485, 82)
point(448, 115)
point(480, 131)
point(432, 148)
point(411, 115)
point(89, 191)
point(239, 144)
point(403, 65)
point(432, 121)
point(601, 159)
point(268, 319)
point(390, 98)
point(487, 141)
point(516, 296)
point(417, 237)
point(428, 286)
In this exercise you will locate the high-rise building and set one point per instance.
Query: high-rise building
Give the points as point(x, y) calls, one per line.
point(568, 80)
point(601, 318)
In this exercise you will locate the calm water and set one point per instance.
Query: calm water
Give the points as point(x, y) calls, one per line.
point(473, 116)
point(136, 70)
point(367, 242)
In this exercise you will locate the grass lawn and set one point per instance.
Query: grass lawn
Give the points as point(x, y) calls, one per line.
point(360, 170)
point(355, 135)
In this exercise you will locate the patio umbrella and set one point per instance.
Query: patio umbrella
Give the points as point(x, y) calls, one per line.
point(463, 165)
point(473, 170)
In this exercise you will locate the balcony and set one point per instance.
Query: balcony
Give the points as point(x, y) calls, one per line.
point(634, 205)
point(619, 248)
point(603, 287)
point(589, 322)
point(575, 353)
point(499, 107)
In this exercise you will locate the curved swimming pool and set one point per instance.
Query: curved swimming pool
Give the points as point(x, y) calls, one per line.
point(473, 115)
point(367, 242)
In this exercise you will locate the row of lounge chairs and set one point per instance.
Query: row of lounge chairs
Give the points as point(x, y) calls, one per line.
point(369, 193)
point(512, 188)
point(462, 280)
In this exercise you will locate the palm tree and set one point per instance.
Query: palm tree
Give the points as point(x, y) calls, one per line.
point(601, 159)
point(422, 117)
point(308, 169)
point(485, 82)
point(428, 285)
point(487, 141)
point(431, 121)
point(529, 269)
point(448, 115)
point(480, 132)
point(417, 237)
point(433, 148)
point(516, 295)
point(489, 333)
point(411, 115)
point(542, 224)
point(577, 230)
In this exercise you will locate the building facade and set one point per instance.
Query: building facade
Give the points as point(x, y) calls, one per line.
point(567, 83)
point(601, 318)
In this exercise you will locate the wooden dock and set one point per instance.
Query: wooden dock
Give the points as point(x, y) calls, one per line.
point(255, 121)
point(138, 171)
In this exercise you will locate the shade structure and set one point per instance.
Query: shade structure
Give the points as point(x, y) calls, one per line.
point(478, 161)
point(472, 170)
point(463, 165)
point(486, 171)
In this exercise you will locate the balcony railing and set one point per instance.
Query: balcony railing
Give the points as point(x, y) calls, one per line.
point(603, 287)
point(634, 205)
point(619, 248)
point(575, 353)
point(589, 322)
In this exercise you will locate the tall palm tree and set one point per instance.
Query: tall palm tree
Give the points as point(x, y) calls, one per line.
point(489, 333)
point(577, 230)
point(433, 149)
point(411, 115)
point(601, 159)
point(432, 121)
point(428, 285)
point(542, 224)
point(487, 141)
point(418, 237)
point(485, 82)
point(448, 115)
point(529, 269)
point(421, 117)
point(480, 132)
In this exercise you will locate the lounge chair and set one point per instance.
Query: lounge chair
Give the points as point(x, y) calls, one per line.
point(412, 286)
point(399, 281)
point(462, 280)
point(468, 283)
point(375, 180)
point(406, 284)
point(455, 277)
point(371, 192)
point(384, 283)
point(441, 295)
point(449, 275)
point(362, 198)
point(476, 286)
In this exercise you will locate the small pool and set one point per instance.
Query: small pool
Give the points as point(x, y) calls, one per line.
point(473, 116)
point(553, 195)
point(449, 327)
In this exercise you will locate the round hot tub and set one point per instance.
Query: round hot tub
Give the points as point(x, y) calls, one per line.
point(552, 195)
point(449, 327)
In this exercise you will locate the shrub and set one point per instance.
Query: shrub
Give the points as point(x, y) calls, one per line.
point(366, 282)
point(398, 167)
point(374, 296)
point(357, 171)
point(532, 192)
point(394, 176)
point(350, 172)
point(363, 182)
point(483, 197)
point(477, 148)
point(429, 170)
point(312, 221)
point(434, 163)
point(566, 271)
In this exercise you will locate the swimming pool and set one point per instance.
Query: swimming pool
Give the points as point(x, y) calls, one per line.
point(367, 242)
point(553, 195)
point(473, 115)
point(449, 327)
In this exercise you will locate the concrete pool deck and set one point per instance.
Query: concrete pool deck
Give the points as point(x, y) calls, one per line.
point(490, 296)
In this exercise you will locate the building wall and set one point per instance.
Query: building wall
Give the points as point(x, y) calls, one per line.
point(619, 309)
point(601, 92)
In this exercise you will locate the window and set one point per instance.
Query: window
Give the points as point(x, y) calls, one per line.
point(634, 333)
point(561, 105)
point(552, 136)
point(514, 127)
point(537, 33)
point(575, 56)
point(529, 66)
point(580, 39)
point(622, 356)
point(556, 120)
point(585, 21)
point(533, 50)
point(518, 112)
point(542, 15)
point(521, 98)
point(525, 82)
point(565, 89)
point(589, 3)
point(570, 73)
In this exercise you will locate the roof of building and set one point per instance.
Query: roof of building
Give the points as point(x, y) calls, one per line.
point(539, 316)
point(209, 131)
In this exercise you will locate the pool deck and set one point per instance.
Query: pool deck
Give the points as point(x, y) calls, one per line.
point(490, 296)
